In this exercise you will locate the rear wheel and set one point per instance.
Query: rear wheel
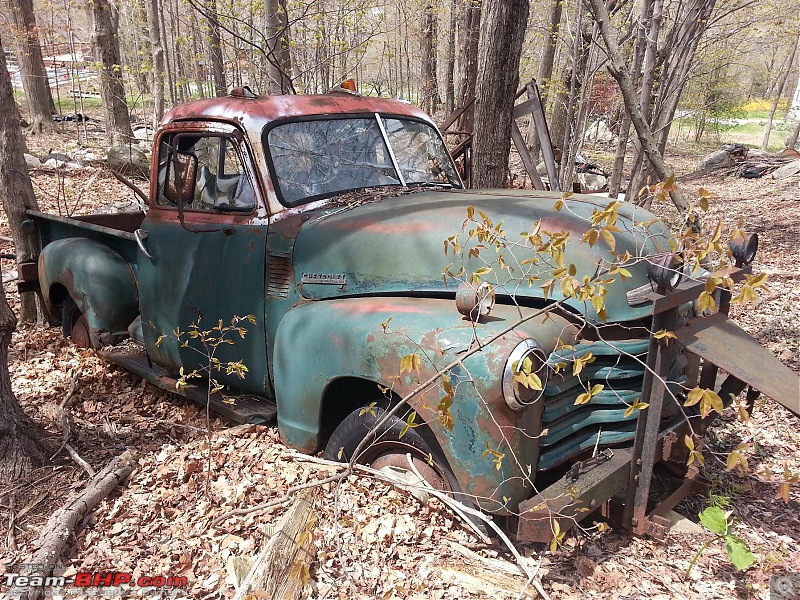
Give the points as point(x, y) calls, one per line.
point(74, 324)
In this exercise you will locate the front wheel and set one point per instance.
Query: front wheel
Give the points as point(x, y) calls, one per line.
point(74, 324)
point(386, 448)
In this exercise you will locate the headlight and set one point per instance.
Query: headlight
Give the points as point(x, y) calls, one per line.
point(665, 270)
point(525, 360)
point(744, 248)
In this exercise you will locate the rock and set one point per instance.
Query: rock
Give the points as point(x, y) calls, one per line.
point(717, 160)
point(787, 170)
point(144, 132)
point(32, 161)
point(54, 163)
point(599, 132)
point(592, 181)
point(128, 161)
point(58, 156)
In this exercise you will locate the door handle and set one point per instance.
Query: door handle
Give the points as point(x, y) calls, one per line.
point(139, 235)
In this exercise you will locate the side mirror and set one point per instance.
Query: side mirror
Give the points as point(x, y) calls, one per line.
point(181, 180)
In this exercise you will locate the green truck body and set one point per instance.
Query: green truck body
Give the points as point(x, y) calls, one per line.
point(262, 207)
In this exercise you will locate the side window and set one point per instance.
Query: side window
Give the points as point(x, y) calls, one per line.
point(206, 171)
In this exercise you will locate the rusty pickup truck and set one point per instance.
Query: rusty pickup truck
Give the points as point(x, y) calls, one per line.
point(324, 217)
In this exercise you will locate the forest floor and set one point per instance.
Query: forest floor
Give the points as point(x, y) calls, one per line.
point(372, 540)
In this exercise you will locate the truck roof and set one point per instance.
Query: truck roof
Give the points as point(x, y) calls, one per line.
point(256, 112)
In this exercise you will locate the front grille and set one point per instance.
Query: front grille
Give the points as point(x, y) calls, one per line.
point(573, 429)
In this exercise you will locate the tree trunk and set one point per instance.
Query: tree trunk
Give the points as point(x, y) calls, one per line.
point(21, 442)
point(651, 14)
point(502, 33)
point(469, 62)
point(545, 73)
point(615, 182)
point(215, 45)
point(778, 94)
point(619, 72)
point(450, 61)
point(679, 49)
point(34, 77)
point(279, 67)
point(16, 188)
point(105, 42)
point(429, 94)
point(154, 26)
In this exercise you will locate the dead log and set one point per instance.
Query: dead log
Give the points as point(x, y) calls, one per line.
point(281, 569)
point(69, 519)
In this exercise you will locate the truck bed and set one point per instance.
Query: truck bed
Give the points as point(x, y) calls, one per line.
point(115, 229)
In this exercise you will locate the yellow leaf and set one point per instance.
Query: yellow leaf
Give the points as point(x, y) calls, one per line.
point(732, 460)
point(694, 396)
point(689, 442)
point(409, 363)
point(609, 238)
point(783, 492)
point(706, 302)
point(710, 401)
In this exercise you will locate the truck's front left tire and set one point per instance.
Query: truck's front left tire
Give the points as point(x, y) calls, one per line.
point(386, 447)
point(74, 325)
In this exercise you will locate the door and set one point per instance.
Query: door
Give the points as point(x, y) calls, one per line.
point(206, 265)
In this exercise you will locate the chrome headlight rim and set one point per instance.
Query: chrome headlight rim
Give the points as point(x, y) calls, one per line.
point(526, 348)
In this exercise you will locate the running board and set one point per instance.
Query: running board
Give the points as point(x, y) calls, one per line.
point(237, 406)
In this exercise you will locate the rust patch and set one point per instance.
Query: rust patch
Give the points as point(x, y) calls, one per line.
point(377, 305)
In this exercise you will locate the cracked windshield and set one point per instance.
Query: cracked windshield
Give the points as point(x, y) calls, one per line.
point(312, 159)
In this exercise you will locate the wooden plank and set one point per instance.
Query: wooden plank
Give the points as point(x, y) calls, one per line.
point(281, 569)
point(522, 148)
point(724, 344)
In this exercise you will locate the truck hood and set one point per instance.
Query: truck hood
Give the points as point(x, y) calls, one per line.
point(395, 246)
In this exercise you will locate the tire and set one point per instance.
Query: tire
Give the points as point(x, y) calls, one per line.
point(386, 448)
point(74, 324)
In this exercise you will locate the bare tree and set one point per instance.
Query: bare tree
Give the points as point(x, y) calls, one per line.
point(34, 77)
point(503, 27)
point(779, 93)
point(620, 72)
point(154, 28)
point(470, 34)
point(429, 94)
point(450, 60)
point(22, 445)
point(545, 73)
point(669, 57)
point(279, 59)
point(105, 42)
point(215, 44)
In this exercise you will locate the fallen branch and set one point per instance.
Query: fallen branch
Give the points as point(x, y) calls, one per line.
point(67, 521)
point(136, 189)
point(81, 463)
point(66, 428)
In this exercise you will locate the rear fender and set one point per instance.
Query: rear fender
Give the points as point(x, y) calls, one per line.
point(318, 343)
point(98, 279)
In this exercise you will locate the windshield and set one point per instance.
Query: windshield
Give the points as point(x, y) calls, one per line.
point(317, 158)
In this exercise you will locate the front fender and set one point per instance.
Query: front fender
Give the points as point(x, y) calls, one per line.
point(99, 280)
point(491, 449)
